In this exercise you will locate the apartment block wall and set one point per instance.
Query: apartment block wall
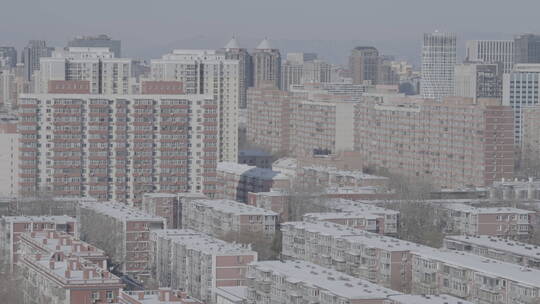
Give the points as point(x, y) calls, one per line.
point(210, 73)
point(9, 159)
point(197, 263)
point(222, 217)
point(450, 144)
point(121, 231)
point(117, 147)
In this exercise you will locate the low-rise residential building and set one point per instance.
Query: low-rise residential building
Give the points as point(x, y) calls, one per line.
point(11, 228)
point(197, 263)
point(351, 213)
point(525, 254)
point(495, 221)
point(236, 180)
point(507, 190)
point(426, 299)
point(274, 200)
point(66, 280)
point(284, 282)
point(381, 260)
point(222, 217)
point(319, 176)
point(474, 278)
point(123, 232)
point(410, 267)
point(50, 242)
point(162, 296)
point(168, 206)
point(231, 295)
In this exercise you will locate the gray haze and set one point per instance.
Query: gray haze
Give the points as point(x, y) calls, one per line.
point(151, 27)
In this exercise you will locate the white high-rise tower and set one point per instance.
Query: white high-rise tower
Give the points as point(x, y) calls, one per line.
point(438, 61)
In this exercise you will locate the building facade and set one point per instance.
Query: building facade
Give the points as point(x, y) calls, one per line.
point(122, 232)
point(222, 218)
point(527, 48)
point(114, 147)
point(499, 52)
point(31, 56)
point(364, 65)
point(451, 143)
point(208, 72)
point(438, 60)
point(266, 65)
point(9, 158)
point(197, 263)
point(520, 90)
point(478, 80)
point(168, 206)
point(233, 51)
point(115, 46)
point(163, 295)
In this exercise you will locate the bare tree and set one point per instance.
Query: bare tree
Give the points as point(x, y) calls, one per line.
point(10, 291)
point(267, 248)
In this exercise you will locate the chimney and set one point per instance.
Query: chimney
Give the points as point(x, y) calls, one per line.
point(33, 234)
point(51, 264)
point(141, 295)
point(44, 241)
point(67, 274)
point(164, 294)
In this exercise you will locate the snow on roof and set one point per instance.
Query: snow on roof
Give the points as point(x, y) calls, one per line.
point(485, 210)
point(345, 205)
point(358, 174)
point(201, 242)
point(250, 171)
point(500, 244)
point(337, 283)
point(39, 219)
point(233, 207)
point(120, 211)
point(427, 299)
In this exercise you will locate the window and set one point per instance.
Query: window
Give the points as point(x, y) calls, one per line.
point(110, 294)
point(95, 295)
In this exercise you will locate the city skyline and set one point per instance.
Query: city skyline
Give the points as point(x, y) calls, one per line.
point(400, 33)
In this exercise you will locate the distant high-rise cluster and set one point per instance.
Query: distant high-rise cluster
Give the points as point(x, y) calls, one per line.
point(438, 61)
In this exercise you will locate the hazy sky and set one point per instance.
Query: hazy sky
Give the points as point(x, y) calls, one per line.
point(150, 27)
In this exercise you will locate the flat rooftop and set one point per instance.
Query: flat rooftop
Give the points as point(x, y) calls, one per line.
point(348, 173)
point(345, 205)
point(500, 244)
point(485, 210)
point(233, 207)
point(426, 299)
point(59, 219)
point(120, 211)
point(202, 242)
point(335, 282)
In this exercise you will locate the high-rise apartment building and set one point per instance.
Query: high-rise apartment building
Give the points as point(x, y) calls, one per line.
point(31, 55)
point(438, 60)
point(207, 72)
point(364, 65)
point(8, 57)
point(520, 90)
point(300, 68)
point(451, 143)
point(266, 65)
point(491, 51)
point(233, 51)
point(117, 147)
point(527, 48)
point(269, 118)
point(9, 159)
point(478, 80)
point(101, 41)
point(98, 67)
